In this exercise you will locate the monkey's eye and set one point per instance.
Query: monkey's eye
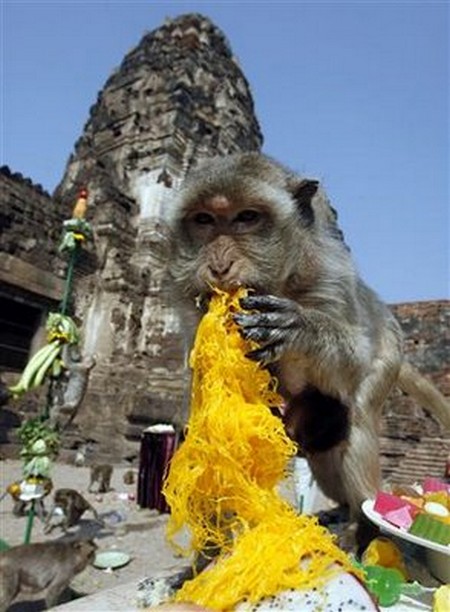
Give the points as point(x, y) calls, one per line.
point(247, 216)
point(203, 218)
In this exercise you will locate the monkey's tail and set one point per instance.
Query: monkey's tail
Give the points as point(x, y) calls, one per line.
point(425, 393)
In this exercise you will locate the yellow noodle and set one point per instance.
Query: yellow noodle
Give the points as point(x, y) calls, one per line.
point(222, 480)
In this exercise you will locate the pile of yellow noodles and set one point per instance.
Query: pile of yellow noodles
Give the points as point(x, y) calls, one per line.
point(222, 480)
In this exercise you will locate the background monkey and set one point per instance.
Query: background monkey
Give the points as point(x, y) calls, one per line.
point(72, 505)
point(101, 474)
point(45, 566)
point(70, 389)
point(335, 348)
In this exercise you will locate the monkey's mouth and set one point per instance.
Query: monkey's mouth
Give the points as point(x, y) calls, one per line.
point(202, 299)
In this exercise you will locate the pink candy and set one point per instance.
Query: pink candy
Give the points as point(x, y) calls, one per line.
point(431, 485)
point(385, 502)
point(400, 517)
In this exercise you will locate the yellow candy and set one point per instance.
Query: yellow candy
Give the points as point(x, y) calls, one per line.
point(441, 599)
point(384, 553)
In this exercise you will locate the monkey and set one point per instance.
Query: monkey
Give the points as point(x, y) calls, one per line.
point(129, 477)
point(70, 390)
point(102, 474)
point(334, 347)
point(80, 456)
point(68, 507)
point(43, 566)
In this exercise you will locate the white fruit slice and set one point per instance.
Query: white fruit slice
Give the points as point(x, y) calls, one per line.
point(343, 593)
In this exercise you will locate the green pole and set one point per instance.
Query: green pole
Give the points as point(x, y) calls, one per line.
point(31, 513)
point(69, 280)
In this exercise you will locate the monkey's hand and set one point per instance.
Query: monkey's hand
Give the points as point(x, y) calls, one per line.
point(274, 324)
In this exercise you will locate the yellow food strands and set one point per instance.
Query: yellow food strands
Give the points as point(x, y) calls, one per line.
point(222, 482)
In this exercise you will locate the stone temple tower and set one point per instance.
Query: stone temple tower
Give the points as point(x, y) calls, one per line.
point(177, 97)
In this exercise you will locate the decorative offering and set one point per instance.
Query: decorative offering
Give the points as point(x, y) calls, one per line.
point(418, 514)
point(422, 511)
point(222, 482)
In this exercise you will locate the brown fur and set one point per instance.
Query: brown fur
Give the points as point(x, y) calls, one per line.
point(73, 505)
point(334, 346)
point(129, 477)
point(101, 474)
point(46, 566)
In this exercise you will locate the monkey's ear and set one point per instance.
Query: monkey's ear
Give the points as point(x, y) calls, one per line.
point(303, 193)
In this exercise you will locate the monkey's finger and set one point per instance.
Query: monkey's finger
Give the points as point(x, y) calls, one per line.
point(271, 320)
point(265, 303)
point(258, 334)
point(266, 354)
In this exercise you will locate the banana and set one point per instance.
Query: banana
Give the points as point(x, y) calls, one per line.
point(32, 367)
point(57, 367)
point(42, 371)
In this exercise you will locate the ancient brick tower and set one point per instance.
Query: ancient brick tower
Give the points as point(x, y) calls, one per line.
point(178, 96)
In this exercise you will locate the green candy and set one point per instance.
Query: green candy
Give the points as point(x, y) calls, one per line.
point(384, 583)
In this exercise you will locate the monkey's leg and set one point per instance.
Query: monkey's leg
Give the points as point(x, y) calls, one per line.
point(96, 516)
point(40, 511)
point(55, 590)
point(19, 508)
point(9, 587)
point(343, 478)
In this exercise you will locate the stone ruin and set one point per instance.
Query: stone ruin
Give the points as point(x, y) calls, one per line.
point(178, 97)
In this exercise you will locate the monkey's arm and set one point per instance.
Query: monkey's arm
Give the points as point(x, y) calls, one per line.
point(280, 325)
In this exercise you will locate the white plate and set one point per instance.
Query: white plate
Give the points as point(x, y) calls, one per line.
point(375, 517)
point(111, 559)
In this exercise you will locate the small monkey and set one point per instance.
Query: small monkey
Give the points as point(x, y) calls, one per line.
point(335, 348)
point(45, 566)
point(68, 508)
point(70, 390)
point(101, 474)
point(129, 477)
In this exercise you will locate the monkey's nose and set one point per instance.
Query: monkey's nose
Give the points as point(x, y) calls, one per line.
point(219, 270)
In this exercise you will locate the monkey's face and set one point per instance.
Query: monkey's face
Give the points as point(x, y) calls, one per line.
point(244, 220)
point(226, 243)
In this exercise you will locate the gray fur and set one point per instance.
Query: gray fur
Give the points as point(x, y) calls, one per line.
point(313, 317)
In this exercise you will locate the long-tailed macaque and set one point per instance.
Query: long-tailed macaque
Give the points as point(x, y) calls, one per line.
point(100, 473)
point(335, 348)
point(45, 566)
point(71, 388)
point(68, 508)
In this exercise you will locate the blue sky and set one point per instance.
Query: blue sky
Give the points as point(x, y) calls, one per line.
point(353, 93)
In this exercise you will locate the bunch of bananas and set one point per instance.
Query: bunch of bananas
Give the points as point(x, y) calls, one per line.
point(37, 367)
point(61, 329)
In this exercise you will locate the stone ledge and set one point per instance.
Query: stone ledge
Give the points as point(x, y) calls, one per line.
point(20, 273)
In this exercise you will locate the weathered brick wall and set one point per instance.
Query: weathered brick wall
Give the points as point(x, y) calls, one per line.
point(31, 274)
point(413, 443)
point(30, 223)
